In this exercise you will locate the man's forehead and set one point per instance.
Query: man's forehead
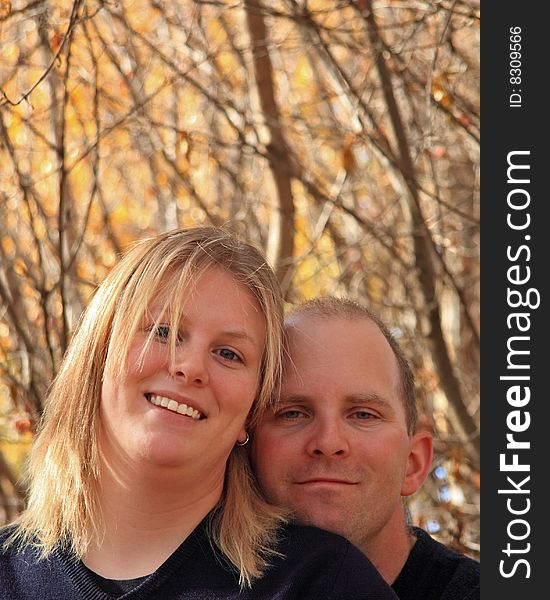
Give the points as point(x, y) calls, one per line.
point(312, 336)
point(304, 324)
point(340, 356)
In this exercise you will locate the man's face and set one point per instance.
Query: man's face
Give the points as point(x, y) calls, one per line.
point(336, 449)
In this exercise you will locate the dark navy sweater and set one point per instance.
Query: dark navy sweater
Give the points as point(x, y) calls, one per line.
point(435, 572)
point(318, 566)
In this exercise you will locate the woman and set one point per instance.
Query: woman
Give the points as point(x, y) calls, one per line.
point(140, 483)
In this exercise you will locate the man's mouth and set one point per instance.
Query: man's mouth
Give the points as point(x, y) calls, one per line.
point(328, 480)
point(177, 407)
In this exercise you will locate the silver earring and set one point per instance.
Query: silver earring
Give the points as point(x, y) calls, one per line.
point(245, 442)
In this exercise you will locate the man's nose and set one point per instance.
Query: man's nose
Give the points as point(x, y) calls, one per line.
point(328, 439)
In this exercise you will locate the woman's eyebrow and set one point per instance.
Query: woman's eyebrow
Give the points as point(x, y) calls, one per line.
point(240, 334)
point(292, 399)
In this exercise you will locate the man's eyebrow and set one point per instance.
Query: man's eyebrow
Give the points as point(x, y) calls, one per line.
point(371, 398)
point(355, 398)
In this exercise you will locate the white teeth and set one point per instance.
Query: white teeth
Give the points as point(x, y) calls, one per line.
point(173, 406)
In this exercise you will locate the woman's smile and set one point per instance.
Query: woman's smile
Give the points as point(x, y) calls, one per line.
point(181, 408)
point(201, 369)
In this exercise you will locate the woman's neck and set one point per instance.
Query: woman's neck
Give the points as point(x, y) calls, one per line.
point(147, 513)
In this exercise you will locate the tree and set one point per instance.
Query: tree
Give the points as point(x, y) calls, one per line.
point(341, 137)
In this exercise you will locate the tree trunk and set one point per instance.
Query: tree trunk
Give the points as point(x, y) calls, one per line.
point(463, 422)
point(280, 248)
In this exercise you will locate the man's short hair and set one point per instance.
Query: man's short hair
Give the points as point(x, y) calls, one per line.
point(344, 308)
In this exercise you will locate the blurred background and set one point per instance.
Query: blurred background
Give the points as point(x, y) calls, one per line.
point(340, 136)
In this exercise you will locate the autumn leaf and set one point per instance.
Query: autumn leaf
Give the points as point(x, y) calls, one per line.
point(464, 120)
point(5, 9)
point(55, 41)
point(348, 157)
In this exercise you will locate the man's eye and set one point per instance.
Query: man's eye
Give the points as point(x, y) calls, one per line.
point(230, 355)
point(363, 415)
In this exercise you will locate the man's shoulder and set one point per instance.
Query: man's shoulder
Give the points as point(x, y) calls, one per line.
point(327, 565)
point(305, 543)
point(295, 533)
point(436, 571)
point(313, 543)
point(437, 551)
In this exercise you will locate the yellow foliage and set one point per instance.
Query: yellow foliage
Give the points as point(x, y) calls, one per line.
point(40, 98)
point(15, 453)
point(215, 32)
point(161, 178)
point(142, 18)
point(5, 8)
point(440, 93)
point(46, 166)
point(143, 219)
point(227, 63)
point(303, 73)
point(200, 113)
point(120, 213)
point(8, 246)
point(19, 267)
point(154, 79)
point(10, 53)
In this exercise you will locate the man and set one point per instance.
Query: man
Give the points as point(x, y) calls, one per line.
point(342, 448)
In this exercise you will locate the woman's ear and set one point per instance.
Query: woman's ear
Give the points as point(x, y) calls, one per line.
point(418, 463)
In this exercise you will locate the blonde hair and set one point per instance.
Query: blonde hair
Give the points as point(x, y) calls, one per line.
point(64, 464)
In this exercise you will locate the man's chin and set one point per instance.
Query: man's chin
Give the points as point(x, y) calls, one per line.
point(332, 523)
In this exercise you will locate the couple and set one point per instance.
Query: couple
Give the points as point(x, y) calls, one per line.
point(140, 478)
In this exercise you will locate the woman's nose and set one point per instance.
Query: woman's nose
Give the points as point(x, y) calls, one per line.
point(190, 365)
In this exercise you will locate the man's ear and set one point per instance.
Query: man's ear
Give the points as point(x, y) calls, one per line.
point(419, 462)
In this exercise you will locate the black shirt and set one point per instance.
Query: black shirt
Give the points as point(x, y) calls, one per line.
point(115, 587)
point(318, 566)
point(435, 572)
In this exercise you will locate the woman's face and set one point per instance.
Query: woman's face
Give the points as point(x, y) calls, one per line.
point(192, 412)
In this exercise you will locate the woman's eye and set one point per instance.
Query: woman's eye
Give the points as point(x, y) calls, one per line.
point(228, 354)
point(162, 332)
point(290, 414)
